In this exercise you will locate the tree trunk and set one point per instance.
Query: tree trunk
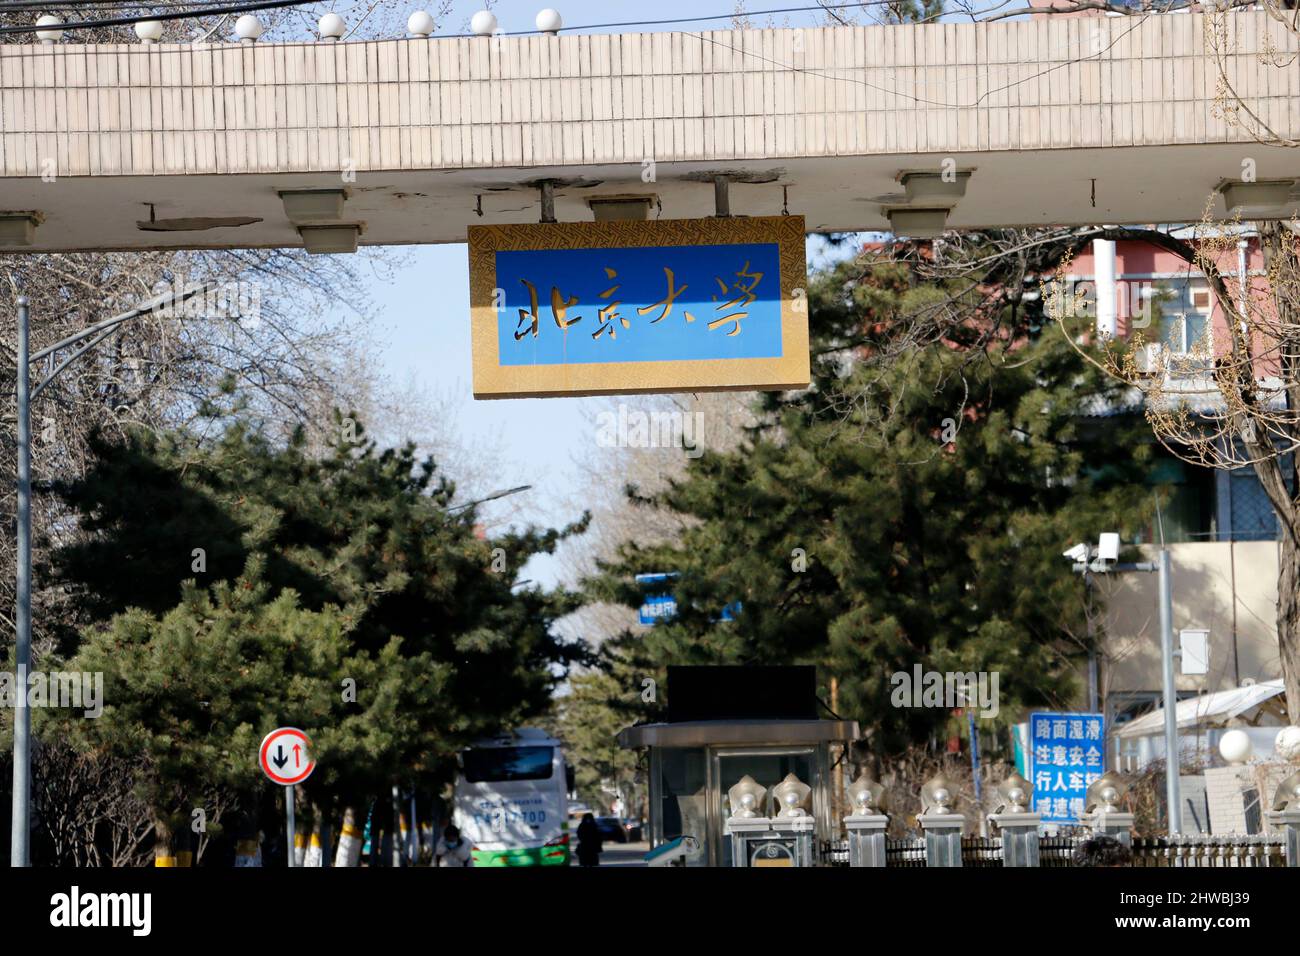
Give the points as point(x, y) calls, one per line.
point(183, 840)
point(302, 825)
point(164, 853)
point(315, 855)
point(248, 844)
point(325, 818)
point(1288, 621)
point(350, 837)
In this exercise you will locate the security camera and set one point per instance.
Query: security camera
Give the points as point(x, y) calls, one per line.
point(1108, 547)
point(1077, 554)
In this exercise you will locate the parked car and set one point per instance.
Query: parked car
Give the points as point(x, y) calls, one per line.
point(611, 829)
point(634, 829)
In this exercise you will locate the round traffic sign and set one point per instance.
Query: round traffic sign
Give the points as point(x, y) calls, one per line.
point(286, 756)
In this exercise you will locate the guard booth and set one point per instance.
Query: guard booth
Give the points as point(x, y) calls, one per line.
point(727, 723)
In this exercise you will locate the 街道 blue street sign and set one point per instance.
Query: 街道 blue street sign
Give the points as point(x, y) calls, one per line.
point(1067, 753)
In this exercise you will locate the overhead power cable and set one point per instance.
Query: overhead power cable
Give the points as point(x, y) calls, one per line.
point(122, 21)
point(253, 5)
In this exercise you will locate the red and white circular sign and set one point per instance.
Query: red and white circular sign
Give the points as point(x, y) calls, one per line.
point(286, 756)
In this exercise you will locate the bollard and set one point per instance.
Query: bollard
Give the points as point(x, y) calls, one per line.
point(942, 827)
point(866, 838)
point(1102, 815)
point(866, 825)
point(747, 834)
point(1289, 821)
point(796, 832)
point(1019, 837)
point(1018, 824)
point(783, 840)
point(1286, 816)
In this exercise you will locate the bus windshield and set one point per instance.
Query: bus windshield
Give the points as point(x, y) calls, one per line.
point(496, 764)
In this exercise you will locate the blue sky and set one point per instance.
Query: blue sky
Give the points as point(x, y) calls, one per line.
point(422, 317)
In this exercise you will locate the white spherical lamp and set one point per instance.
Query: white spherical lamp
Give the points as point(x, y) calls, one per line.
point(549, 21)
point(49, 36)
point(483, 23)
point(149, 31)
point(248, 28)
point(1287, 743)
point(419, 24)
point(331, 27)
point(1235, 746)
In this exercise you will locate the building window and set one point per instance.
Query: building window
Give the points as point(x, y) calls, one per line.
point(1188, 510)
point(1252, 513)
point(1185, 307)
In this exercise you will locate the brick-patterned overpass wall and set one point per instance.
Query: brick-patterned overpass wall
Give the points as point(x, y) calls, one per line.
point(571, 100)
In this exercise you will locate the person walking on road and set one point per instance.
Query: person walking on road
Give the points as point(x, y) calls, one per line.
point(588, 841)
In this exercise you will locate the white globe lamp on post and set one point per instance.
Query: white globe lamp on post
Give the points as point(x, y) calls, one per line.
point(549, 21)
point(1287, 743)
point(49, 36)
point(483, 23)
point(419, 24)
point(248, 28)
point(331, 27)
point(149, 31)
point(1235, 746)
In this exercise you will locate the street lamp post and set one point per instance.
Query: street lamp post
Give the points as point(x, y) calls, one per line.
point(20, 834)
point(1087, 562)
point(1171, 698)
point(503, 493)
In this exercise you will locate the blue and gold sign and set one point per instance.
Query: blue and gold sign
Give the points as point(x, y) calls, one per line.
point(683, 305)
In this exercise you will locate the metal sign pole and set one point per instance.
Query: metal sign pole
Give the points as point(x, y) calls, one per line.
point(288, 824)
point(274, 768)
point(21, 824)
point(1170, 694)
point(975, 765)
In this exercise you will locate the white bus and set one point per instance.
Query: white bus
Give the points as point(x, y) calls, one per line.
point(512, 800)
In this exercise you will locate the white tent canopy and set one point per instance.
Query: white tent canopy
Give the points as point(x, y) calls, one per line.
point(1208, 709)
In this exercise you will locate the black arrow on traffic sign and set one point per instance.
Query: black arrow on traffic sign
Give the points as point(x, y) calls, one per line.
point(280, 759)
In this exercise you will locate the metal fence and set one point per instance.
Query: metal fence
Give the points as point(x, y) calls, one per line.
point(1058, 851)
point(1210, 851)
point(905, 852)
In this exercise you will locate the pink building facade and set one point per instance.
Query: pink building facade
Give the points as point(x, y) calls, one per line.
point(1152, 284)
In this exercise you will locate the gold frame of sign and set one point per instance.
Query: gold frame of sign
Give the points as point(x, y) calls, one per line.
point(493, 380)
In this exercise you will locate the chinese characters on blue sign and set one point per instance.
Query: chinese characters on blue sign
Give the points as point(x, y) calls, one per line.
point(660, 604)
point(656, 607)
point(624, 307)
point(1069, 753)
point(571, 306)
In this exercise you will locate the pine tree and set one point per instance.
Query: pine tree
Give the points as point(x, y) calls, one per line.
point(906, 510)
point(436, 643)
